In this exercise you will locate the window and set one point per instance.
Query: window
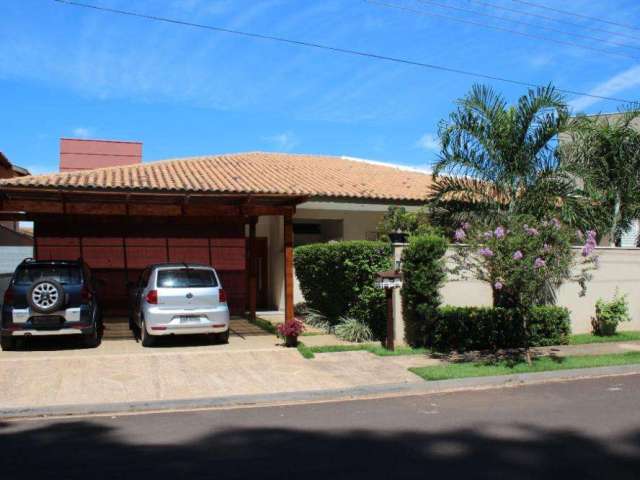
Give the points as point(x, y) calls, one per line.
point(186, 278)
point(65, 274)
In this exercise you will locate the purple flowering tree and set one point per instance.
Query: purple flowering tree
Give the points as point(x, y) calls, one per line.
point(524, 261)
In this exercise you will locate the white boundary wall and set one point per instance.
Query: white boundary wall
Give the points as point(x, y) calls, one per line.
point(619, 268)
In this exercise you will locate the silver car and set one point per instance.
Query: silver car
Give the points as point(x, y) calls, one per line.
point(179, 298)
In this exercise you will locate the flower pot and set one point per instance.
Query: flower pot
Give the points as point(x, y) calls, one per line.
point(398, 237)
point(291, 341)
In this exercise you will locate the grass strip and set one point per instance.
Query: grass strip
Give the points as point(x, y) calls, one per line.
point(587, 338)
point(266, 325)
point(375, 348)
point(541, 364)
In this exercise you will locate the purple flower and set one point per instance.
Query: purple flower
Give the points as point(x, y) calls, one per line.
point(587, 249)
point(459, 235)
point(500, 232)
point(546, 248)
point(590, 244)
point(498, 285)
point(517, 255)
point(466, 226)
point(531, 231)
point(487, 235)
point(539, 263)
point(486, 252)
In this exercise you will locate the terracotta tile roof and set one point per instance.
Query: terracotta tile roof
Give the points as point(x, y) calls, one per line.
point(254, 172)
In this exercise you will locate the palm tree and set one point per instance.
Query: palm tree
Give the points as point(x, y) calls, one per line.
point(498, 160)
point(604, 151)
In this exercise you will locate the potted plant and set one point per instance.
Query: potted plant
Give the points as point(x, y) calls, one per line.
point(290, 331)
point(610, 314)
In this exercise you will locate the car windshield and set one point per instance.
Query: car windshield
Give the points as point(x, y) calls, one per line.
point(65, 274)
point(186, 278)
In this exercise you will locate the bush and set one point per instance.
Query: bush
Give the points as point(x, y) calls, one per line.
point(486, 328)
point(610, 314)
point(337, 280)
point(424, 273)
point(315, 319)
point(353, 330)
point(300, 309)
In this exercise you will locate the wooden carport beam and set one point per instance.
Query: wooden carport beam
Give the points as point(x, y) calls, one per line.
point(252, 284)
point(288, 268)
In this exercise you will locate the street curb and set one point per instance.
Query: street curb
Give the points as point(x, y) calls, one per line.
point(319, 396)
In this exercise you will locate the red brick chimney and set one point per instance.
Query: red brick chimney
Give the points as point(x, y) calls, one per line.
point(78, 154)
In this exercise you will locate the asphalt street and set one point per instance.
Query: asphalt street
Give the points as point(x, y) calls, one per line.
point(581, 429)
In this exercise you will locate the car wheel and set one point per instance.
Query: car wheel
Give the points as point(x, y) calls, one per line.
point(222, 337)
point(92, 340)
point(7, 343)
point(146, 339)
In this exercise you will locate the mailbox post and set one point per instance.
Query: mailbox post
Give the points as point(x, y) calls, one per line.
point(389, 281)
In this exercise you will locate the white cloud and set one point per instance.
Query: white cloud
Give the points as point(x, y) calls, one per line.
point(613, 86)
point(82, 132)
point(429, 142)
point(282, 141)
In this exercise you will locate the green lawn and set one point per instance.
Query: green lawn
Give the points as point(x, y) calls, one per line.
point(542, 364)
point(585, 338)
point(375, 348)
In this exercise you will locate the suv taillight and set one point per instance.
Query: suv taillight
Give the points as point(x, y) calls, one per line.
point(9, 296)
point(222, 295)
point(152, 297)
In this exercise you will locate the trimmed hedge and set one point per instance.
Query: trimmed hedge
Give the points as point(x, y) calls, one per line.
point(337, 279)
point(485, 328)
point(424, 273)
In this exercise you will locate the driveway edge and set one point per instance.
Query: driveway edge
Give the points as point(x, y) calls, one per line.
point(317, 396)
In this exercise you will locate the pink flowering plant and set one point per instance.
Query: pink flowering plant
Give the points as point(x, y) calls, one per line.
point(523, 260)
point(291, 329)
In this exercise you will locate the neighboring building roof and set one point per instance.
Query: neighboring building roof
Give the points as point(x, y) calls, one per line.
point(251, 173)
point(18, 171)
point(9, 238)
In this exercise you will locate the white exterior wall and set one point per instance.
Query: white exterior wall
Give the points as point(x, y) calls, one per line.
point(619, 268)
point(357, 221)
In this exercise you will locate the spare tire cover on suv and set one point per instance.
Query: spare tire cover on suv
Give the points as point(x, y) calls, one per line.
point(46, 296)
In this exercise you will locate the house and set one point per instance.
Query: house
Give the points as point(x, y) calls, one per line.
point(8, 170)
point(241, 213)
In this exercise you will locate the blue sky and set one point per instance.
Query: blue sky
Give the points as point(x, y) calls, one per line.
point(71, 72)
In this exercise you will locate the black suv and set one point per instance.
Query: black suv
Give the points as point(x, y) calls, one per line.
point(50, 297)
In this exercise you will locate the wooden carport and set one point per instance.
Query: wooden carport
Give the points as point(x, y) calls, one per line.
point(119, 217)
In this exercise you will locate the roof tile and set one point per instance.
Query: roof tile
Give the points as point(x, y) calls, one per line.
point(253, 172)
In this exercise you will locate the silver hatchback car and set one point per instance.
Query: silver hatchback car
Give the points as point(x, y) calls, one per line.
point(179, 298)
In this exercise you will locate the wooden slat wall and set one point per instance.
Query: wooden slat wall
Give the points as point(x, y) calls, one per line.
point(118, 259)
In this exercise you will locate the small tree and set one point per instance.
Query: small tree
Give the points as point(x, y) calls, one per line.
point(524, 262)
point(399, 219)
point(604, 151)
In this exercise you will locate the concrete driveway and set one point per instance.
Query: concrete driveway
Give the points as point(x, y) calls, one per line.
point(54, 373)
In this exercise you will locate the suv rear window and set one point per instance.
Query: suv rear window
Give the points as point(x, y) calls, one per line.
point(65, 274)
point(186, 278)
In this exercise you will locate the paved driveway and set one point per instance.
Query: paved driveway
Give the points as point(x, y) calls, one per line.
point(253, 362)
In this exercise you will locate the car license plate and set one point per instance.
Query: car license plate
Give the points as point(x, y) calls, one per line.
point(189, 319)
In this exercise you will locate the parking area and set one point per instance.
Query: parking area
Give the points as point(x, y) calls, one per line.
point(52, 373)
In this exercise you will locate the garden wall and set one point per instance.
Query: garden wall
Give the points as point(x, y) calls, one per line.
point(619, 267)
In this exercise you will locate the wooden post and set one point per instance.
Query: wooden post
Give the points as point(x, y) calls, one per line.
point(288, 268)
point(390, 319)
point(252, 283)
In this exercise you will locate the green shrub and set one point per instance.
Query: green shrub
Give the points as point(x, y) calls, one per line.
point(300, 309)
point(487, 328)
point(337, 280)
point(610, 314)
point(353, 330)
point(424, 273)
point(315, 319)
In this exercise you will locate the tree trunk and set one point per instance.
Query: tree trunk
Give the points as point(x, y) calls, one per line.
point(616, 220)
